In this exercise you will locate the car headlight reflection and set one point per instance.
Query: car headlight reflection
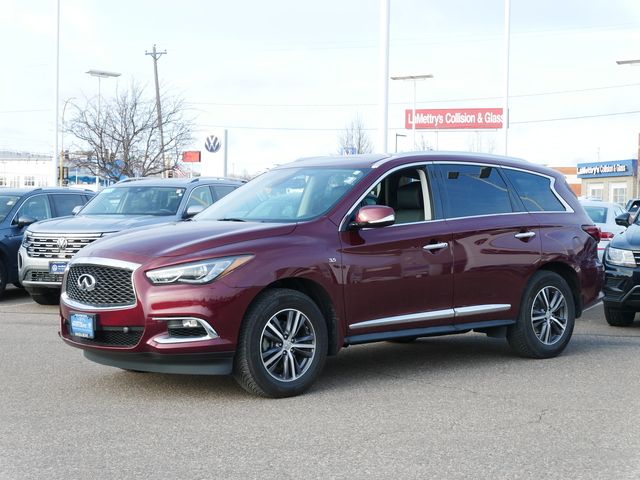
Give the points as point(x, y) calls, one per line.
point(201, 272)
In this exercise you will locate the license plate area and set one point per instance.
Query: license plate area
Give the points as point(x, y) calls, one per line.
point(82, 325)
point(57, 268)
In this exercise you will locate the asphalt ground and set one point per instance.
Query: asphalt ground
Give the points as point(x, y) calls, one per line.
point(456, 407)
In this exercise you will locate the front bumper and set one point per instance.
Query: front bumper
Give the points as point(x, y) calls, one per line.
point(34, 272)
point(622, 287)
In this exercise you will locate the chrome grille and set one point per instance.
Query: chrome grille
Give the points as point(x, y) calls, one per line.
point(636, 256)
point(113, 286)
point(56, 246)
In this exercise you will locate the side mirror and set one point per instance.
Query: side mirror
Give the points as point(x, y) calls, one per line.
point(76, 209)
point(192, 211)
point(373, 216)
point(25, 221)
point(623, 219)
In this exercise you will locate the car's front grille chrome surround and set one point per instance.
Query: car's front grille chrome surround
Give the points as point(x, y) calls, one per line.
point(99, 283)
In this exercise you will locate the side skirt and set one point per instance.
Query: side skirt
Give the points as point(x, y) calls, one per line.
point(489, 327)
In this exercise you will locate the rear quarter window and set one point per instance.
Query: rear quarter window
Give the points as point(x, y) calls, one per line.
point(535, 191)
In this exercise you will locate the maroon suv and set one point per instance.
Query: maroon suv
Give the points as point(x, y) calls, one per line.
point(324, 253)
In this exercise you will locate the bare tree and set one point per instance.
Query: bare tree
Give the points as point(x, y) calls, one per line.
point(354, 138)
point(477, 142)
point(121, 134)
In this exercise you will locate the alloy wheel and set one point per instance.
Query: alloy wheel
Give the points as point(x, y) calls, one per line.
point(549, 315)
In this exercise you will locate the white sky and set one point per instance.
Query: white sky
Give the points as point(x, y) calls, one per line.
point(286, 76)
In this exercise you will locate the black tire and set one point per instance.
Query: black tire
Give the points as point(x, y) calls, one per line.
point(3, 278)
point(546, 319)
point(618, 317)
point(46, 296)
point(18, 285)
point(266, 356)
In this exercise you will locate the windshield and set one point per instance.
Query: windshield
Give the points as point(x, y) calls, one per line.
point(285, 195)
point(6, 204)
point(597, 214)
point(135, 200)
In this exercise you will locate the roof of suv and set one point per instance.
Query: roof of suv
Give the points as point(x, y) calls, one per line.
point(375, 160)
point(176, 182)
point(25, 190)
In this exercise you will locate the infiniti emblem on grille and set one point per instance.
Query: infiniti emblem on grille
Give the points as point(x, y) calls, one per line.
point(86, 282)
point(62, 244)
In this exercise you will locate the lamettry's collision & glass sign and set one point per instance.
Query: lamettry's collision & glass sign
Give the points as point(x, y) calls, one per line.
point(455, 118)
point(618, 168)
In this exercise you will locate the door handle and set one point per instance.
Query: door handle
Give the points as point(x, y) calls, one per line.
point(525, 235)
point(435, 246)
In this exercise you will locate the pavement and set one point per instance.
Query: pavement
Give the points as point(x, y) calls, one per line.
point(456, 407)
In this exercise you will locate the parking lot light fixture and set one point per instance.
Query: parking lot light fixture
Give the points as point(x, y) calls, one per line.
point(414, 79)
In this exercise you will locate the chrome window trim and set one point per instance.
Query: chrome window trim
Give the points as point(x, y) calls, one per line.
point(165, 338)
point(432, 315)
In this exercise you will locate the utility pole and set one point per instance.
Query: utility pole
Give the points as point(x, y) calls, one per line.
point(156, 55)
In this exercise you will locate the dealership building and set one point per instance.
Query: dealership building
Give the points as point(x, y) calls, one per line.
point(613, 181)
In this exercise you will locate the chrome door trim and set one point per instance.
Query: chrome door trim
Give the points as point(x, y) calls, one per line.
point(432, 315)
point(436, 246)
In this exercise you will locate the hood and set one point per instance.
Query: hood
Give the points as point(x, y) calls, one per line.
point(181, 238)
point(628, 240)
point(97, 223)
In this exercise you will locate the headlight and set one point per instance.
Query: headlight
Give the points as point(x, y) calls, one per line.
point(617, 256)
point(204, 271)
point(25, 238)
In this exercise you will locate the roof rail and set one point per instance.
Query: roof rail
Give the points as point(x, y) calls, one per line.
point(133, 179)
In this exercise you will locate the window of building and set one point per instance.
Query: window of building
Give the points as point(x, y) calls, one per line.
point(595, 191)
point(474, 190)
point(3, 181)
point(618, 193)
point(29, 181)
point(14, 182)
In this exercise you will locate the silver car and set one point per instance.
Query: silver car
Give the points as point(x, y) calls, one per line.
point(604, 216)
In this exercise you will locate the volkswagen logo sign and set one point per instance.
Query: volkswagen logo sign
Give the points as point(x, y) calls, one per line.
point(86, 282)
point(61, 243)
point(212, 144)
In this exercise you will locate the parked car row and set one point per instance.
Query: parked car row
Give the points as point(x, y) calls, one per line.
point(324, 253)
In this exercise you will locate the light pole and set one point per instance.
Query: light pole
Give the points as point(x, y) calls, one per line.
point(414, 79)
point(398, 135)
point(633, 63)
point(61, 169)
point(100, 74)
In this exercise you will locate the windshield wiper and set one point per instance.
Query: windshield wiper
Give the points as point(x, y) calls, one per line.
point(231, 219)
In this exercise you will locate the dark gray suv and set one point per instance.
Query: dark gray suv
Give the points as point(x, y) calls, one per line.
point(48, 246)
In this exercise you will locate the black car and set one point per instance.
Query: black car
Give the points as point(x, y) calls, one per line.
point(622, 273)
point(48, 246)
point(20, 207)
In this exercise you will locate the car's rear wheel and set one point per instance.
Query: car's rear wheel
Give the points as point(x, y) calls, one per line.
point(546, 319)
point(619, 317)
point(282, 344)
point(45, 296)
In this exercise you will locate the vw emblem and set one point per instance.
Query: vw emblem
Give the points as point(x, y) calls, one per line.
point(86, 282)
point(212, 144)
point(62, 244)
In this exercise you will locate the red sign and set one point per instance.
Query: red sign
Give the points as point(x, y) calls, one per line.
point(454, 118)
point(192, 156)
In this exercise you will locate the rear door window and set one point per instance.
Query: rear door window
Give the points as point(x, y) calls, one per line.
point(471, 190)
point(535, 191)
point(222, 190)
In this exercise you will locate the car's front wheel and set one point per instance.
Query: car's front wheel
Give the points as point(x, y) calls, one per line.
point(546, 319)
point(618, 317)
point(282, 345)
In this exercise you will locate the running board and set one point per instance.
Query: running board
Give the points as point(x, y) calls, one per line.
point(426, 331)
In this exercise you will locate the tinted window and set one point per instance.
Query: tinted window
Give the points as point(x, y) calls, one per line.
point(200, 196)
point(474, 190)
point(534, 191)
point(35, 207)
point(222, 190)
point(64, 203)
point(7, 202)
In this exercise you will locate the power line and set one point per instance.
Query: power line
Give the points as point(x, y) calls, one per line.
point(449, 100)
